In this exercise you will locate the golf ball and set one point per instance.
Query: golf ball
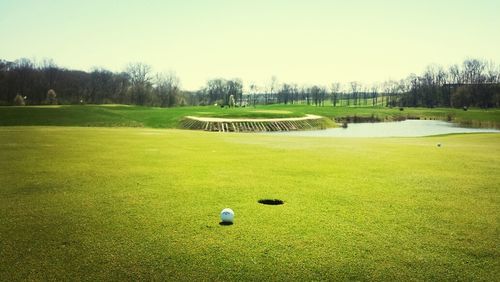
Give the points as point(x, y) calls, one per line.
point(227, 215)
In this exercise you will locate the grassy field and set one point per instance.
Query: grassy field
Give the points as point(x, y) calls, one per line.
point(136, 203)
point(134, 116)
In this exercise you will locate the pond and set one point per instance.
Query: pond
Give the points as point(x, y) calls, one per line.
point(407, 128)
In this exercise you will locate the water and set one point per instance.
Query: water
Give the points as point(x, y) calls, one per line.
point(407, 128)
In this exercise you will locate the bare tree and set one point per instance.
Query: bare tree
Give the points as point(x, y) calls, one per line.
point(474, 71)
point(253, 91)
point(167, 89)
point(335, 87)
point(492, 72)
point(140, 77)
point(140, 73)
point(455, 74)
point(272, 87)
point(234, 88)
point(354, 90)
point(50, 71)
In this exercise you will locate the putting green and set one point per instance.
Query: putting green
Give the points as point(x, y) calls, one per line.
point(272, 111)
point(144, 204)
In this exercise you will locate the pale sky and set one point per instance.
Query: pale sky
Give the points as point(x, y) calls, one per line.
point(307, 42)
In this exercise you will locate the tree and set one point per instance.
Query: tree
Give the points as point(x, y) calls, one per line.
point(461, 97)
point(167, 89)
point(235, 88)
point(374, 94)
point(140, 78)
point(455, 74)
point(100, 87)
point(436, 86)
point(50, 72)
point(219, 90)
point(354, 90)
point(216, 91)
point(335, 87)
point(23, 76)
point(285, 93)
point(253, 92)
point(272, 86)
point(492, 72)
point(474, 71)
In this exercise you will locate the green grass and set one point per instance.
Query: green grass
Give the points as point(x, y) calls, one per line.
point(134, 116)
point(122, 115)
point(142, 204)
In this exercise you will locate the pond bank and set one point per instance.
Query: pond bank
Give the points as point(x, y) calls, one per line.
point(344, 120)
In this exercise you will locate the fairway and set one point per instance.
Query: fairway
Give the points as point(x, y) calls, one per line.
point(97, 204)
point(136, 116)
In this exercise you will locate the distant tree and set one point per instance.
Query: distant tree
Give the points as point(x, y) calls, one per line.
point(285, 93)
point(167, 88)
point(374, 94)
point(234, 87)
point(318, 95)
point(100, 86)
point(253, 92)
point(474, 71)
point(335, 87)
point(272, 87)
point(219, 90)
point(50, 72)
point(492, 72)
point(461, 97)
point(216, 91)
point(140, 77)
point(24, 79)
point(354, 91)
point(455, 74)
point(436, 86)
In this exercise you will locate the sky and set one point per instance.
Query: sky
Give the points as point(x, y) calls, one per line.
point(305, 42)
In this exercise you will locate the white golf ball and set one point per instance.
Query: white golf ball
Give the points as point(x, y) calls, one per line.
point(227, 215)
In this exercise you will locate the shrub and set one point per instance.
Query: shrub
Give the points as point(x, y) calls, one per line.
point(51, 97)
point(19, 100)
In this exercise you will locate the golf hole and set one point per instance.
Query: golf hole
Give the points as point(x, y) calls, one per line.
point(271, 202)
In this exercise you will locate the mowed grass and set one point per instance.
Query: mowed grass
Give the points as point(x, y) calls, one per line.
point(135, 116)
point(124, 115)
point(132, 203)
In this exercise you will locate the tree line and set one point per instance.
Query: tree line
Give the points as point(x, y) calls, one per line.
point(473, 83)
point(46, 83)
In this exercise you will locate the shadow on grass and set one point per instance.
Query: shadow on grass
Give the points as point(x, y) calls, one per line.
point(272, 202)
point(225, 223)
